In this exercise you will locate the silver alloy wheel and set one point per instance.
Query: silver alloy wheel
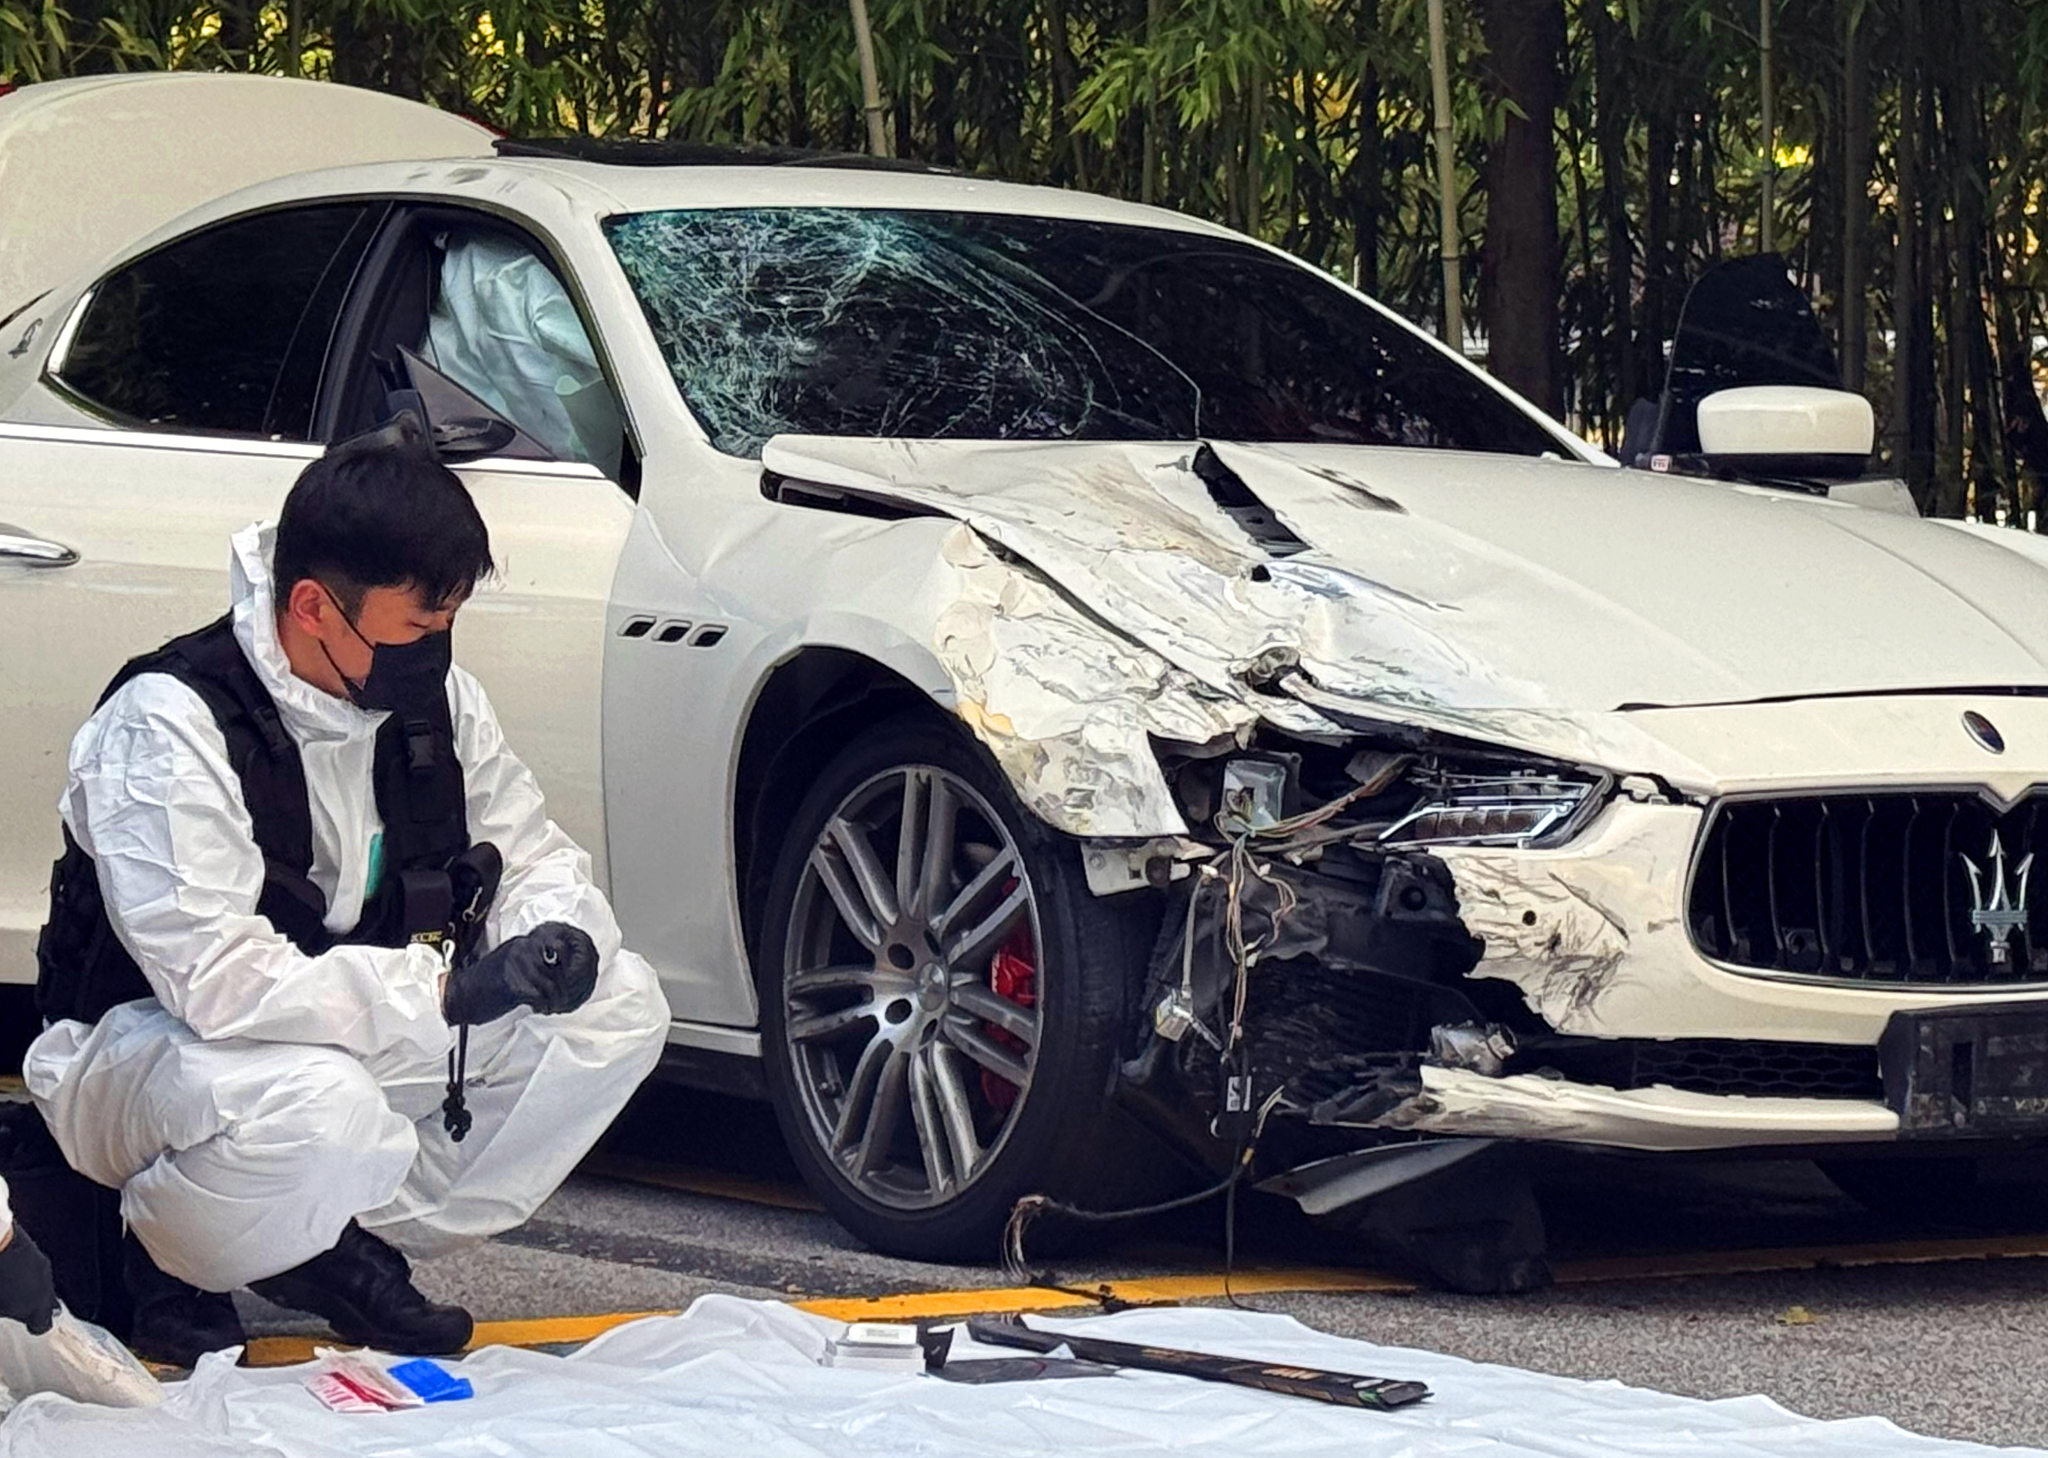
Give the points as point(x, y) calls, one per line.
point(900, 1045)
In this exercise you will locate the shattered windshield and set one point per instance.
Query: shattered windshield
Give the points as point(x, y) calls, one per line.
point(975, 326)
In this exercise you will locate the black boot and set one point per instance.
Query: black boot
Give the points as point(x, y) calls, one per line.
point(175, 1323)
point(363, 1289)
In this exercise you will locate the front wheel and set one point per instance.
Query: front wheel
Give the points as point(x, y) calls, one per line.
point(941, 997)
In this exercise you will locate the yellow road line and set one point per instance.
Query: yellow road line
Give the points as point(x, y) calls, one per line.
point(701, 1182)
point(1168, 1290)
point(283, 1351)
point(1158, 1291)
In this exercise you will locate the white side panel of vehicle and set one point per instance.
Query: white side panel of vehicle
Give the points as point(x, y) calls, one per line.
point(149, 517)
point(676, 711)
point(535, 636)
point(670, 753)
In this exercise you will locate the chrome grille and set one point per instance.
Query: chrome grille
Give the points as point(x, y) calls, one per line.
point(1875, 888)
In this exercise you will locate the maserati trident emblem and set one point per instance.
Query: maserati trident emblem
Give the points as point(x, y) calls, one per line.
point(1984, 732)
point(2005, 911)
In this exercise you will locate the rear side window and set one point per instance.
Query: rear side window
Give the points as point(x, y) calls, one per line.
point(224, 331)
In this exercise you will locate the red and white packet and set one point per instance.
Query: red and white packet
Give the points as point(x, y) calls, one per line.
point(352, 1382)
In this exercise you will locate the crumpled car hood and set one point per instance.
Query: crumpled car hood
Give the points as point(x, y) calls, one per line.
point(1476, 594)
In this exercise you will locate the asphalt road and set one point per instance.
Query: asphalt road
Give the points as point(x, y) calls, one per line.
point(694, 1194)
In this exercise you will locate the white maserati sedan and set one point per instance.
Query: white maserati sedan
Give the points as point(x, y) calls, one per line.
point(1055, 685)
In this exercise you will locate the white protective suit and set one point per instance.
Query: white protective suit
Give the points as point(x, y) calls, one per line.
point(265, 1097)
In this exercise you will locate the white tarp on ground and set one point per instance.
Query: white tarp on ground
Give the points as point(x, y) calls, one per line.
point(732, 1377)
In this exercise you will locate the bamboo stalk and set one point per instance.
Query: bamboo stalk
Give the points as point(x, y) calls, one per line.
point(1148, 180)
point(1446, 178)
point(870, 83)
point(1770, 120)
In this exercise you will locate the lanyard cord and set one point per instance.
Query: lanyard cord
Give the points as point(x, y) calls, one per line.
point(455, 1108)
point(455, 1113)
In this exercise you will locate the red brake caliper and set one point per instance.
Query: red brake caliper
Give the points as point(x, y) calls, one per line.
point(1013, 974)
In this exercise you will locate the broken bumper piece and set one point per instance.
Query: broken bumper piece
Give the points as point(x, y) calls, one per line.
point(1531, 1106)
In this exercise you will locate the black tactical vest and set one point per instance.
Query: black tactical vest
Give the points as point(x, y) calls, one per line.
point(82, 968)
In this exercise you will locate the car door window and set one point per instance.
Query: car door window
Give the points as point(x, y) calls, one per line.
point(504, 328)
point(224, 331)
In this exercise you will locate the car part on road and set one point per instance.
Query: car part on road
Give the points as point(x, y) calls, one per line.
point(1473, 1226)
point(1325, 1186)
point(733, 1376)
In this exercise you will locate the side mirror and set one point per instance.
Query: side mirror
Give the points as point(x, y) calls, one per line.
point(461, 427)
point(1798, 431)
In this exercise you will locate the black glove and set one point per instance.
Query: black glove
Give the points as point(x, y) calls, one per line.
point(551, 969)
point(26, 1292)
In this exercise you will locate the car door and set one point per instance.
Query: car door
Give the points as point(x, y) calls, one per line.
point(202, 378)
point(483, 302)
point(186, 381)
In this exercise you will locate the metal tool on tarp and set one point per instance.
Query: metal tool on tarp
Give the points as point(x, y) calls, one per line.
point(1345, 1389)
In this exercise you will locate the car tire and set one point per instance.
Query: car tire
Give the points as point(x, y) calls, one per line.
point(920, 1096)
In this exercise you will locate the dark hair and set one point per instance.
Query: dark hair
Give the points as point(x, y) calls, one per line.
point(381, 511)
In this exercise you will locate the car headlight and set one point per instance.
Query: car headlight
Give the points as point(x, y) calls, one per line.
point(1517, 809)
point(1393, 797)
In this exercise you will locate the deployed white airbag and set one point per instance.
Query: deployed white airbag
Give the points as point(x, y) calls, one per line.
point(504, 329)
point(732, 1376)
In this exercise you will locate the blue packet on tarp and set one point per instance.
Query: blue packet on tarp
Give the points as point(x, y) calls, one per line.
point(432, 1381)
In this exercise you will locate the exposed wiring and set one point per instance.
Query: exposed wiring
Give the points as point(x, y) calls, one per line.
point(1244, 1162)
point(1027, 1211)
point(1233, 867)
point(1243, 954)
point(1017, 1267)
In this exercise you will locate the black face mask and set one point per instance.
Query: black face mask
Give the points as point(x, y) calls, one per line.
point(404, 678)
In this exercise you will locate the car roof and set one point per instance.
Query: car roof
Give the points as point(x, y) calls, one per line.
point(548, 187)
point(669, 152)
point(644, 189)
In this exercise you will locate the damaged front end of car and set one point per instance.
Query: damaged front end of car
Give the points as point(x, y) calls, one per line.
point(1414, 908)
point(1316, 958)
point(1312, 962)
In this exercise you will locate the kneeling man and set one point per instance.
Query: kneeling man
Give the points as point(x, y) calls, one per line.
point(322, 981)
